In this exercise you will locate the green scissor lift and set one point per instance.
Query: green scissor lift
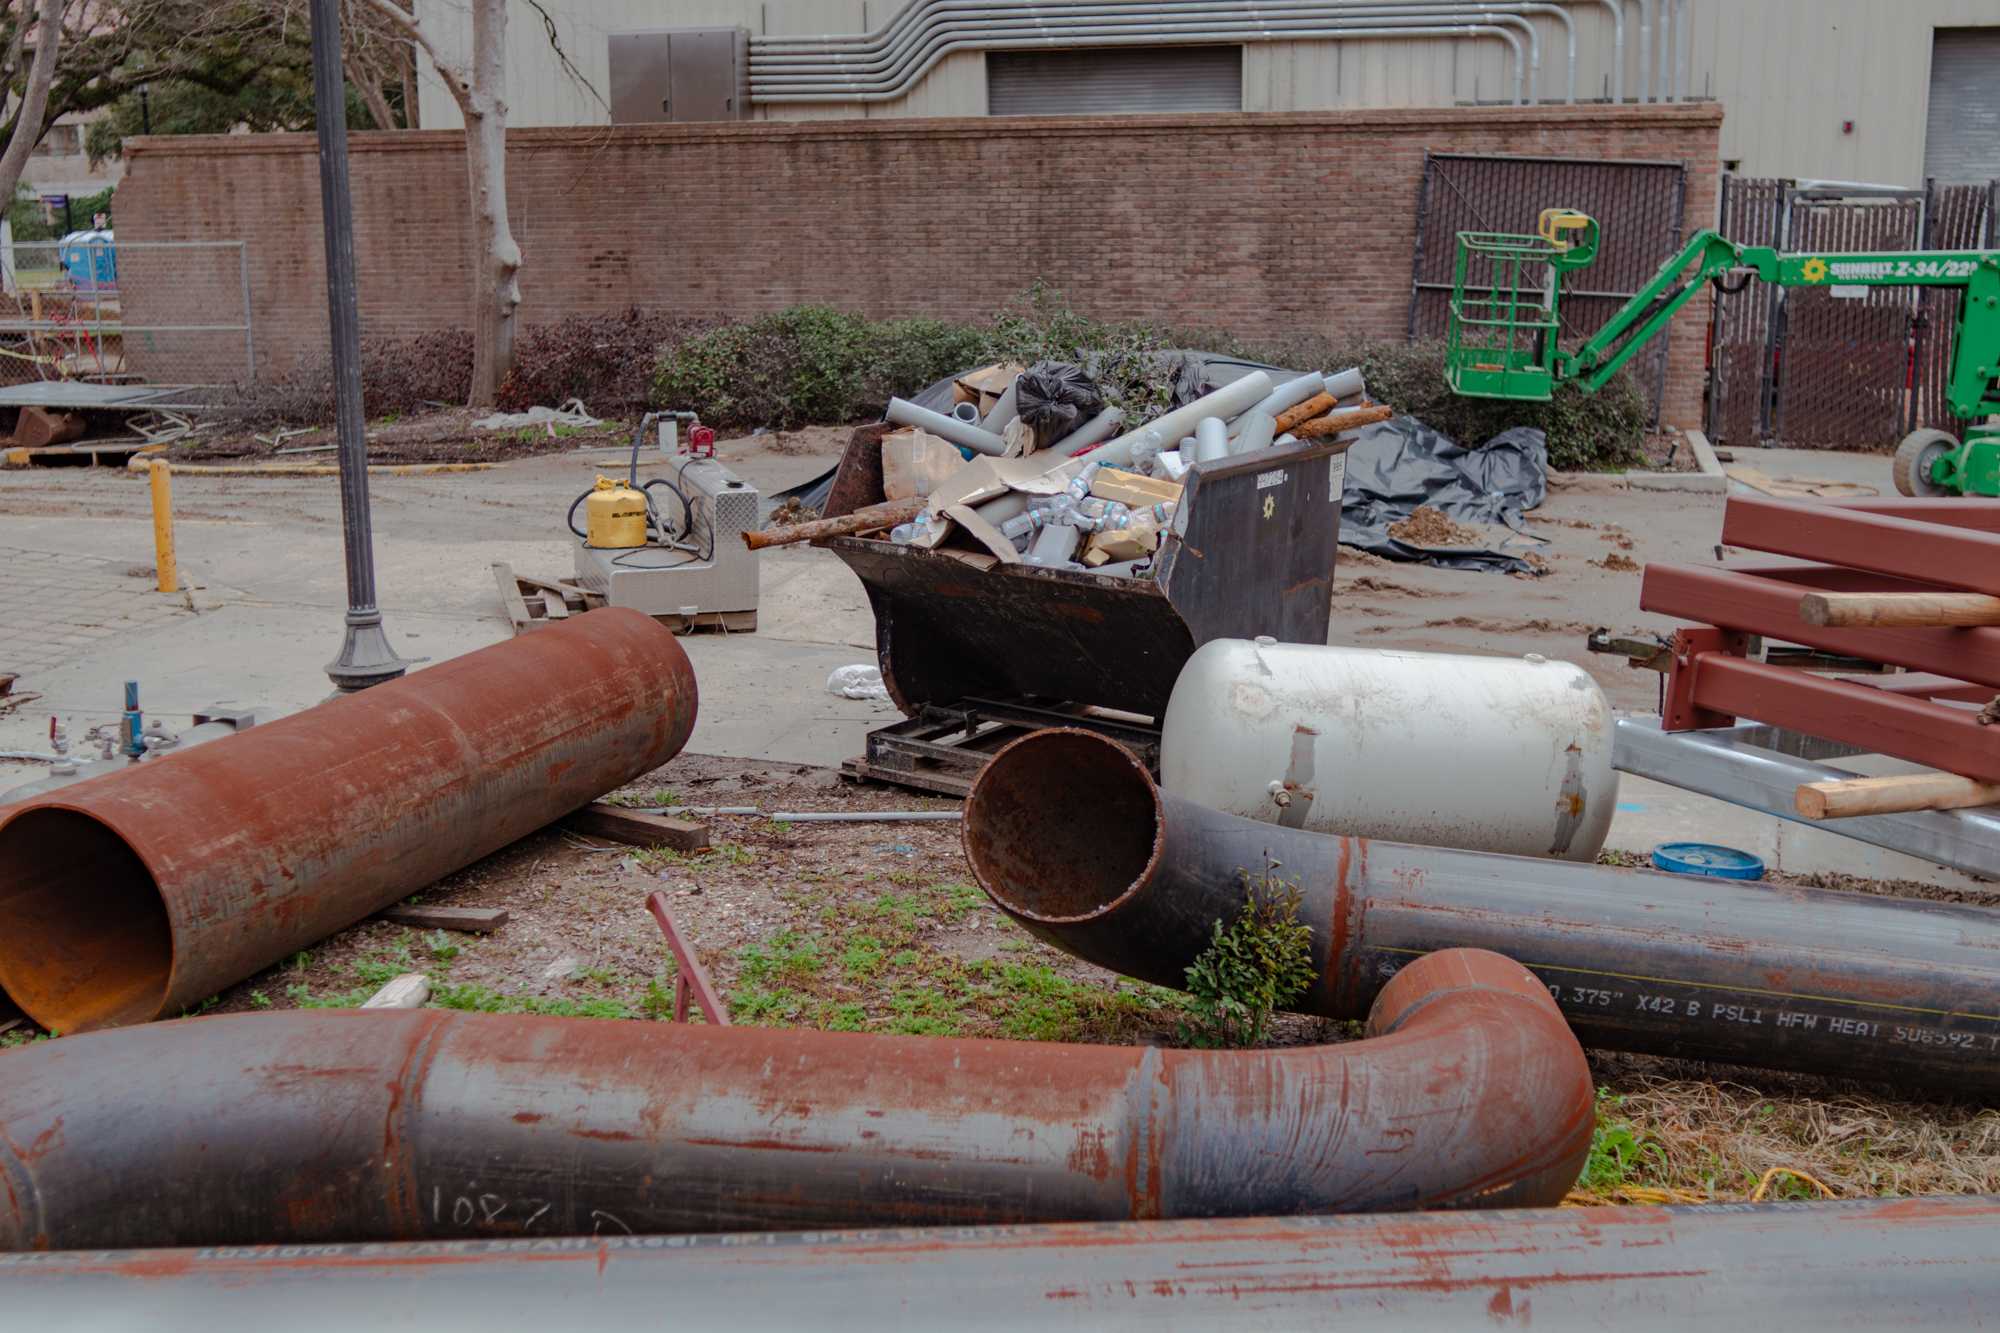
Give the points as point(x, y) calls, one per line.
point(1506, 299)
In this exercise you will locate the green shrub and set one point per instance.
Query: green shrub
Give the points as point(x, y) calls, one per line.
point(1252, 966)
point(812, 364)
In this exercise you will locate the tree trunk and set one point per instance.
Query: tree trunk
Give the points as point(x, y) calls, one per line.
point(368, 85)
point(35, 101)
point(496, 292)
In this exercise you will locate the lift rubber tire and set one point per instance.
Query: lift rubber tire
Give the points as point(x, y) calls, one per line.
point(1914, 456)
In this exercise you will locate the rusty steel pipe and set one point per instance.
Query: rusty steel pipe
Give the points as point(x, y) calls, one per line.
point(1822, 982)
point(133, 895)
point(398, 1125)
point(1830, 1267)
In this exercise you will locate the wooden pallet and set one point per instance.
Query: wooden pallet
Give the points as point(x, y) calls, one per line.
point(531, 603)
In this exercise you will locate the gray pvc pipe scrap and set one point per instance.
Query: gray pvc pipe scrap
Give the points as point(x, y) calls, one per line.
point(1211, 440)
point(906, 413)
point(1003, 507)
point(1257, 428)
point(1005, 410)
point(1090, 432)
point(1289, 394)
point(1346, 383)
point(1224, 403)
point(966, 412)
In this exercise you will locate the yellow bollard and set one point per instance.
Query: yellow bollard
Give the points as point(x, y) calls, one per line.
point(163, 527)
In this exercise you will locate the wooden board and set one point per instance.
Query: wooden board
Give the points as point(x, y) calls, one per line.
point(1893, 795)
point(638, 830)
point(471, 920)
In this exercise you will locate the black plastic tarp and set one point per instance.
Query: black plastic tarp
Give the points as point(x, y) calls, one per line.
point(1402, 464)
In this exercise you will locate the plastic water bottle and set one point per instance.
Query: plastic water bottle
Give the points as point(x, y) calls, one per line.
point(1079, 486)
point(918, 528)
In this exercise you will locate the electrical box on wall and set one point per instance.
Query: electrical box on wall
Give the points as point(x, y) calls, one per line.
point(680, 74)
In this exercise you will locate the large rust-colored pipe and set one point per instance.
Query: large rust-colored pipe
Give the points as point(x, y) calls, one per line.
point(386, 1125)
point(1829, 1267)
point(1069, 835)
point(133, 895)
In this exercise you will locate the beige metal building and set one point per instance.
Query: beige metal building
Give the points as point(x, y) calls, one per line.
point(1887, 91)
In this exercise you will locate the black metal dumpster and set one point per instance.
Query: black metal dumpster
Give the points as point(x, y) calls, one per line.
point(970, 645)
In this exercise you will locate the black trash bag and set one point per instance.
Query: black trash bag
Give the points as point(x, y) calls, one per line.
point(1401, 464)
point(1054, 398)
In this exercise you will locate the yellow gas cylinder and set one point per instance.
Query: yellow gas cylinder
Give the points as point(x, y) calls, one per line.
point(614, 516)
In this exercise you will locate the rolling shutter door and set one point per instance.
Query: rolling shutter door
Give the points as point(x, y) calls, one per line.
point(1114, 82)
point(1962, 141)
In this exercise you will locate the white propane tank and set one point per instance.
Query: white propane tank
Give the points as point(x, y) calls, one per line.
point(1491, 754)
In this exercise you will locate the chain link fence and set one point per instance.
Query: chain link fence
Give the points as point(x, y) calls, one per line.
point(93, 309)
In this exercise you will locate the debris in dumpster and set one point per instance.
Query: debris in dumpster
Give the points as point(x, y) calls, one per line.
point(875, 518)
point(1056, 397)
point(1334, 423)
point(914, 462)
point(976, 438)
point(1316, 406)
point(1129, 488)
point(982, 388)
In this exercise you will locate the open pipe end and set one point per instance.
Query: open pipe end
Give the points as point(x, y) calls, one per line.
point(84, 937)
point(1061, 825)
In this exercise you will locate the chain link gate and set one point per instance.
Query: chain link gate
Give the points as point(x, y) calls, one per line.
point(1824, 367)
point(1640, 208)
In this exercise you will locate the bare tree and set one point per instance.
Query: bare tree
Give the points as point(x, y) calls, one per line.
point(479, 88)
point(28, 119)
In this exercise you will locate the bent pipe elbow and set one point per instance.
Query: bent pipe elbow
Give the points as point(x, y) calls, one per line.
point(1815, 981)
point(404, 1125)
point(136, 894)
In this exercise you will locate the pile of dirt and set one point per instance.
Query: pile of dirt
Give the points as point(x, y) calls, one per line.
point(1618, 564)
point(1430, 527)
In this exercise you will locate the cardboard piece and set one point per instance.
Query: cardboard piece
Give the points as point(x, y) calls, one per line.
point(988, 536)
point(914, 462)
point(984, 478)
point(985, 385)
point(1134, 490)
point(1120, 544)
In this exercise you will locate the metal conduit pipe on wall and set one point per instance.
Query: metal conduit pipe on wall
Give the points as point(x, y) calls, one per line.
point(136, 894)
point(892, 66)
point(1830, 1267)
point(838, 88)
point(1817, 981)
point(324, 1125)
point(773, 83)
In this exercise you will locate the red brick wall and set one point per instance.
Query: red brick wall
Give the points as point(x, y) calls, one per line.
point(1255, 223)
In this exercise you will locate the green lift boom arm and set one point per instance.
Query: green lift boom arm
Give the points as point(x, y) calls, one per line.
point(1504, 326)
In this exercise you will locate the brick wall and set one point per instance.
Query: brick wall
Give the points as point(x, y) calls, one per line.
point(1253, 223)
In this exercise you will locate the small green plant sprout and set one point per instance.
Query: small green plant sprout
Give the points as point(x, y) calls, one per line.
point(1253, 965)
point(442, 946)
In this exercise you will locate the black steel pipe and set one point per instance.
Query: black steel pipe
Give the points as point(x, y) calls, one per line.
point(385, 1125)
point(1829, 1267)
point(1757, 974)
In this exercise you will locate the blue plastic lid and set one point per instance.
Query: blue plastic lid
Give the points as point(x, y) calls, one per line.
point(1705, 858)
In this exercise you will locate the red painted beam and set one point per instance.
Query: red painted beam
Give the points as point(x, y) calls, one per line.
point(1945, 738)
point(1767, 602)
point(1983, 515)
point(1932, 552)
point(691, 978)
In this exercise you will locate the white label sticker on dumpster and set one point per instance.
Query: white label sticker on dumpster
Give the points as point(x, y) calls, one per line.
point(1266, 480)
point(1336, 478)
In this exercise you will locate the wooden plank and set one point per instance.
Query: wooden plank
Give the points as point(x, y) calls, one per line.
point(510, 597)
point(637, 830)
point(412, 990)
point(471, 920)
point(553, 603)
point(1915, 609)
point(1894, 795)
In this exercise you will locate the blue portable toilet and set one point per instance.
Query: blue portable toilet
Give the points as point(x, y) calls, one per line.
point(89, 258)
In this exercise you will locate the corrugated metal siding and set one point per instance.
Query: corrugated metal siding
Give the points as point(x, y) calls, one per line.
point(1962, 141)
point(1114, 82)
